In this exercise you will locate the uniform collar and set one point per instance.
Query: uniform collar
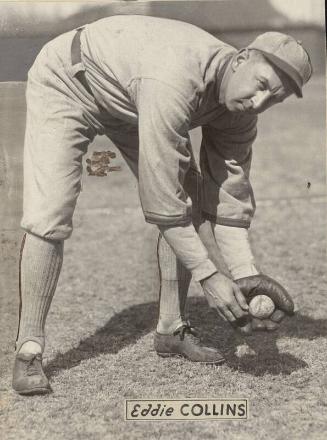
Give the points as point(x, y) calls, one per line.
point(221, 73)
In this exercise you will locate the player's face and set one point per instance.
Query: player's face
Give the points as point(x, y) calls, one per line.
point(254, 85)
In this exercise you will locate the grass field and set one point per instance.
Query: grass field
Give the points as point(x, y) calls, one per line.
point(100, 327)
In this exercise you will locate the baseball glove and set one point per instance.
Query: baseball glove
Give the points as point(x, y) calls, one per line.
point(263, 285)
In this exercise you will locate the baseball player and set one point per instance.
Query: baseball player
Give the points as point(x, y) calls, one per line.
point(145, 82)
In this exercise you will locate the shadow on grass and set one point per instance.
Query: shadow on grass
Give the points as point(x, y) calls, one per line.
point(129, 325)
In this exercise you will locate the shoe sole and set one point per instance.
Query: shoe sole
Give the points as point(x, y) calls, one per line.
point(167, 355)
point(34, 391)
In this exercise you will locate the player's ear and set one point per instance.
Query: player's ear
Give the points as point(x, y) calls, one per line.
point(241, 56)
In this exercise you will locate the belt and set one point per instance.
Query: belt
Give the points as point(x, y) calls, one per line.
point(76, 58)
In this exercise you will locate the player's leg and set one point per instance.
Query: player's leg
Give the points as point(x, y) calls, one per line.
point(57, 136)
point(40, 265)
point(175, 336)
point(174, 281)
point(173, 277)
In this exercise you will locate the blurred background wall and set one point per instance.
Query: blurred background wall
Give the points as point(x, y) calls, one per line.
point(25, 27)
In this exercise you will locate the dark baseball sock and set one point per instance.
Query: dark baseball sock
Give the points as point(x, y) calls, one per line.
point(40, 266)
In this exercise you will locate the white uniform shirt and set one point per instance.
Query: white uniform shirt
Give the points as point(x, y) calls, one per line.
point(163, 76)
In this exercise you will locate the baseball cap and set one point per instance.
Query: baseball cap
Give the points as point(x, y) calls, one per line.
point(288, 54)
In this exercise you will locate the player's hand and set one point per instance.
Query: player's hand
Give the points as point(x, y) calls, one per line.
point(263, 285)
point(226, 297)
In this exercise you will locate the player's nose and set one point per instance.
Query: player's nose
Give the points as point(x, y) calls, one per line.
point(261, 100)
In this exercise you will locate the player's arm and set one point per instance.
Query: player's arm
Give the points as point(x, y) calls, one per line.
point(164, 159)
point(228, 200)
point(229, 205)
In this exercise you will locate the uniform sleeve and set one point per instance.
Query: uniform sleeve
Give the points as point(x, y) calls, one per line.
point(164, 153)
point(235, 247)
point(164, 160)
point(225, 162)
point(190, 250)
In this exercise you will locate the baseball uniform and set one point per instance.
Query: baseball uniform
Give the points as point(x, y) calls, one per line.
point(150, 81)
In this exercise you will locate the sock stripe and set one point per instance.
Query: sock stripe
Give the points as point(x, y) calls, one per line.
point(20, 284)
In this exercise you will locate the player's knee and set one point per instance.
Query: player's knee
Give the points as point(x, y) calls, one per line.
point(48, 231)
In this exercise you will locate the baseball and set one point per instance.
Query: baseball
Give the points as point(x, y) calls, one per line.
point(261, 306)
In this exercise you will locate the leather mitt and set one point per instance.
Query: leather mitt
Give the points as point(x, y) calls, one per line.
point(263, 285)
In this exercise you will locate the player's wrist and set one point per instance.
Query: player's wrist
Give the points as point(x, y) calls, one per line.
point(203, 280)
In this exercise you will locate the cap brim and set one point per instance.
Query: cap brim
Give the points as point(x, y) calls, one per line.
point(288, 70)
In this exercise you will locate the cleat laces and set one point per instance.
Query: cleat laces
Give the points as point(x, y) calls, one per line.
point(186, 329)
point(32, 367)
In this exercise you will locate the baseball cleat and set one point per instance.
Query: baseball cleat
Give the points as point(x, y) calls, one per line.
point(28, 375)
point(184, 342)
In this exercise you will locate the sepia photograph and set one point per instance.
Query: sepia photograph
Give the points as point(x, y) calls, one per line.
point(163, 220)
